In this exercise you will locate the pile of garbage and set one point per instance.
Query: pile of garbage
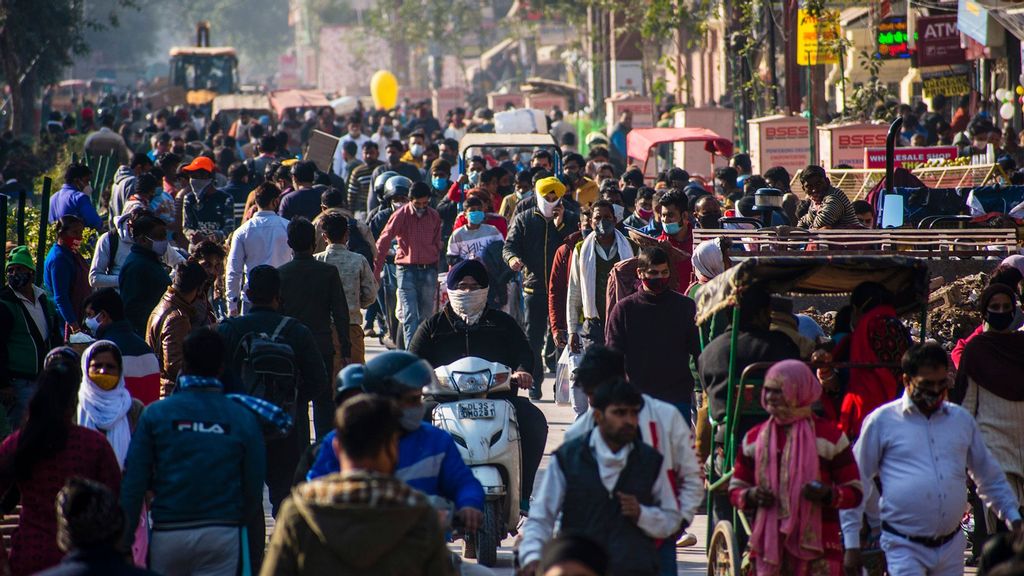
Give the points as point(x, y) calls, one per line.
point(953, 309)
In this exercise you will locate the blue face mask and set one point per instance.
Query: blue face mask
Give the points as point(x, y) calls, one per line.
point(476, 217)
point(671, 228)
point(439, 183)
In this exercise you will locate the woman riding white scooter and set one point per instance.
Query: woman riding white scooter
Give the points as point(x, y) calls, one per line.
point(467, 327)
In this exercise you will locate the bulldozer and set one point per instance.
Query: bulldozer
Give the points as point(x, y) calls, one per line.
point(203, 71)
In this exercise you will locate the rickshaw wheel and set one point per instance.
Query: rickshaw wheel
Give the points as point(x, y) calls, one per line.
point(723, 553)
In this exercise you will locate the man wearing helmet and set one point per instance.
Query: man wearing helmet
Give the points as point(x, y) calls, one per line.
point(428, 459)
point(394, 164)
point(468, 327)
point(394, 197)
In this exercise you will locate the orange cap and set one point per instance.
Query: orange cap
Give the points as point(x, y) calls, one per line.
point(200, 163)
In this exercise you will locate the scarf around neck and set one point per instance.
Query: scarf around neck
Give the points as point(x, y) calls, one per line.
point(793, 525)
point(105, 411)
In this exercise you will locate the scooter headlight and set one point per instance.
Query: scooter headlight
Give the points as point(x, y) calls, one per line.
point(471, 382)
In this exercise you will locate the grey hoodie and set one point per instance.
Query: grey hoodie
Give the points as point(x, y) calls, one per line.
point(124, 186)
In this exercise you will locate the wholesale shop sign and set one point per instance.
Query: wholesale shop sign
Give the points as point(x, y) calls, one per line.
point(908, 157)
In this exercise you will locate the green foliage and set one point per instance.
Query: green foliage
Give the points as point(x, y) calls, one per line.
point(869, 100)
point(46, 34)
point(32, 215)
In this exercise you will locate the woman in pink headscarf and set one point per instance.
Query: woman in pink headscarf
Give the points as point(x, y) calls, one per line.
point(796, 470)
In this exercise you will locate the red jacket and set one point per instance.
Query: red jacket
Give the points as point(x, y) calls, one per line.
point(558, 283)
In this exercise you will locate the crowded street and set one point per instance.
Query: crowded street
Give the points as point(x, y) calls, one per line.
point(510, 287)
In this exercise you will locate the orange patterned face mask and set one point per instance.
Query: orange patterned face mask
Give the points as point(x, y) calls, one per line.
point(104, 381)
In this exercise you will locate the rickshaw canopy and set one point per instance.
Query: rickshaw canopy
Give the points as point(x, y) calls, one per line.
point(237, 102)
point(478, 140)
point(906, 278)
point(639, 141)
point(285, 99)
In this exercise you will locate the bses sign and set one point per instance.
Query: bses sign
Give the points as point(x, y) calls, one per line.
point(908, 157)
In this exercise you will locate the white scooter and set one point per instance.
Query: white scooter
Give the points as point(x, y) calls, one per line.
point(487, 434)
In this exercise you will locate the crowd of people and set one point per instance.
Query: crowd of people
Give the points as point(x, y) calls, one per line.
point(164, 384)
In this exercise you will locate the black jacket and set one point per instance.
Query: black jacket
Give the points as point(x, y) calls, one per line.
point(534, 240)
point(142, 282)
point(496, 337)
point(751, 346)
point(295, 333)
point(311, 292)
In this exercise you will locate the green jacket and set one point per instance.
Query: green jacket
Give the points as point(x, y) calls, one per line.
point(23, 351)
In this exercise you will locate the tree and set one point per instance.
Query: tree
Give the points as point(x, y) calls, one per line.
point(681, 24)
point(436, 27)
point(37, 40)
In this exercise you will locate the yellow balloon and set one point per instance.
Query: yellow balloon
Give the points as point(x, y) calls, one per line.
point(1020, 90)
point(384, 89)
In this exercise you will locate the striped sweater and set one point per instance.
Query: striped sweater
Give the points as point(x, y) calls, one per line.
point(141, 368)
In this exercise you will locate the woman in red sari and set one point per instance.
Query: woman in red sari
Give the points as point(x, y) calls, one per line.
point(796, 470)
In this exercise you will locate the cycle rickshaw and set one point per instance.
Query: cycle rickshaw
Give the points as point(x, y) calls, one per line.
point(906, 278)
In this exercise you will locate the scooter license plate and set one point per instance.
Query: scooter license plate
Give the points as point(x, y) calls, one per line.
point(477, 410)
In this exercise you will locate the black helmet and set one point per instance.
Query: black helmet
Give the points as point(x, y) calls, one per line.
point(349, 381)
point(397, 186)
point(396, 372)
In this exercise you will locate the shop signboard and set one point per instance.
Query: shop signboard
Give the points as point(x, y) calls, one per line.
point(956, 82)
point(844, 144)
point(892, 38)
point(780, 141)
point(908, 157)
point(641, 108)
point(814, 37)
point(446, 99)
point(938, 41)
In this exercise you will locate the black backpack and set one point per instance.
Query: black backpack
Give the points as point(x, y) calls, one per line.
point(268, 368)
point(357, 243)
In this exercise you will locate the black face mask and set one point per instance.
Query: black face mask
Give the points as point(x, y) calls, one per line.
point(999, 321)
point(927, 401)
point(505, 190)
point(708, 222)
point(18, 280)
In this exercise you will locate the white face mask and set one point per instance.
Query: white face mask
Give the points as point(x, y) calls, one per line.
point(416, 150)
point(468, 304)
point(546, 208)
point(199, 184)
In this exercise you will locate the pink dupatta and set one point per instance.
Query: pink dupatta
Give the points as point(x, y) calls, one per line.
point(793, 525)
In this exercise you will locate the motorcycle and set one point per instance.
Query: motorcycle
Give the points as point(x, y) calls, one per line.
point(487, 435)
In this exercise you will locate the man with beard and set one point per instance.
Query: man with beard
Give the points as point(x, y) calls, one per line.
point(619, 496)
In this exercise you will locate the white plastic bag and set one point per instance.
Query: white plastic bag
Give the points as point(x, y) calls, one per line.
point(520, 121)
point(565, 376)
